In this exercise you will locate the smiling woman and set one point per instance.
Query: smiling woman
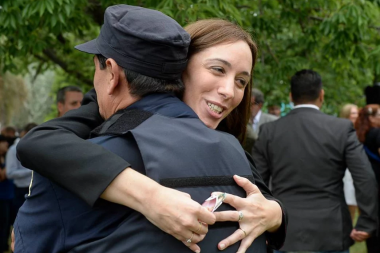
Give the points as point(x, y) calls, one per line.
point(222, 57)
point(215, 81)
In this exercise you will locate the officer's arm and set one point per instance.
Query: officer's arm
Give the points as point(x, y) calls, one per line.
point(58, 151)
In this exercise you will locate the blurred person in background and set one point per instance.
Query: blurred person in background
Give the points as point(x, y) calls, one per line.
point(257, 118)
point(20, 175)
point(274, 110)
point(351, 112)
point(68, 98)
point(368, 130)
point(6, 196)
point(8, 132)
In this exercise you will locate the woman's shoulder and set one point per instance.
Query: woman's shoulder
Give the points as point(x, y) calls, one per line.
point(373, 133)
point(373, 137)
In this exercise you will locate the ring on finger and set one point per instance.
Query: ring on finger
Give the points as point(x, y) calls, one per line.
point(241, 216)
point(189, 240)
point(199, 228)
point(245, 234)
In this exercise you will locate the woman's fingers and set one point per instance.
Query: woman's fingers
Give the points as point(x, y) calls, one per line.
point(232, 200)
point(244, 245)
point(200, 229)
point(194, 247)
point(227, 216)
point(238, 235)
point(205, 216)
point(195, 238)
point(247, 185)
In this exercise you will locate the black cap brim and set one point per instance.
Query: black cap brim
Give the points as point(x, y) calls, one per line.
point(89, 47)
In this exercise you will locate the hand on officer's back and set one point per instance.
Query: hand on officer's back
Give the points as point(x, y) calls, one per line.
point(177, 214)
point(259, 215)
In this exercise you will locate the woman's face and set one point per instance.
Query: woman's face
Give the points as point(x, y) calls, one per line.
point(215, 80)
point(353, 114)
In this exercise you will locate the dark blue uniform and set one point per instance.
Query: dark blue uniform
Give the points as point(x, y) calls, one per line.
point(55, 220)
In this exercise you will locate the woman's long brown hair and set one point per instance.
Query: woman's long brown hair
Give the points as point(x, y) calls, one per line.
point(211, 32)
point(363, 124)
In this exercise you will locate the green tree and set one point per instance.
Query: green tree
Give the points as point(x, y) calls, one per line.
point(13, 95)
point(340, 39)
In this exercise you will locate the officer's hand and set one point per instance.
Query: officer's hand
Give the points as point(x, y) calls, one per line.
point(177, 214)
point(259, 215)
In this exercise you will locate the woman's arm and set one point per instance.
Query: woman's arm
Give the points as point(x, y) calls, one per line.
point(57, 150)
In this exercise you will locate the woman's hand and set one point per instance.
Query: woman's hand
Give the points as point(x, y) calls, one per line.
point(259, 215)
point(172, 211)
point(175, 213)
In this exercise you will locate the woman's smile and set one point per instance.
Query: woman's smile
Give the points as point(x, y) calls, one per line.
point(215, 81)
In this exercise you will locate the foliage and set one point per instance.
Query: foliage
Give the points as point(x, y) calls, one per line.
point(25, 100)
point(12, 96)
point(340, 39)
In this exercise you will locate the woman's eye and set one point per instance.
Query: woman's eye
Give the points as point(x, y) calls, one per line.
point(218, 69)
point(242, 82)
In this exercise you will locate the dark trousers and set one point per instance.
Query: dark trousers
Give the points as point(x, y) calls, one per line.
point(18, 200)
point(5, 224)
point(373, 244)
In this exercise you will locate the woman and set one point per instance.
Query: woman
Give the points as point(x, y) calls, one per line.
point(368, 130)
point(209, 38)
point(349, 111)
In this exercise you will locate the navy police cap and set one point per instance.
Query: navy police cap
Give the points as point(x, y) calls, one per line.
point(142, 40)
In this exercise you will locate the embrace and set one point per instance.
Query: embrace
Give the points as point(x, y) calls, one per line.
point(170, 108)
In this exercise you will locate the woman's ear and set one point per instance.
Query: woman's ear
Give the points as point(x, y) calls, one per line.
point(113, 75)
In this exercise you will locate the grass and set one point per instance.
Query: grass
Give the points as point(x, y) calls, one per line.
point(358, 247)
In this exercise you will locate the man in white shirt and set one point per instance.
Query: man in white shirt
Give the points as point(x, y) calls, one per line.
point(258, 117)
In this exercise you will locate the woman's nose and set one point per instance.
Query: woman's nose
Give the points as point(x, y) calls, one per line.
point(226, 89)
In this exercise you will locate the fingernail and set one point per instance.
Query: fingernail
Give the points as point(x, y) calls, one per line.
point(238, 176)
point(222, 246)
point(198, 251)
point(214, 193)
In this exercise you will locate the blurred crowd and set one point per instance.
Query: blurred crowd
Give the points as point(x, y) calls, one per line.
point(14, 178)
